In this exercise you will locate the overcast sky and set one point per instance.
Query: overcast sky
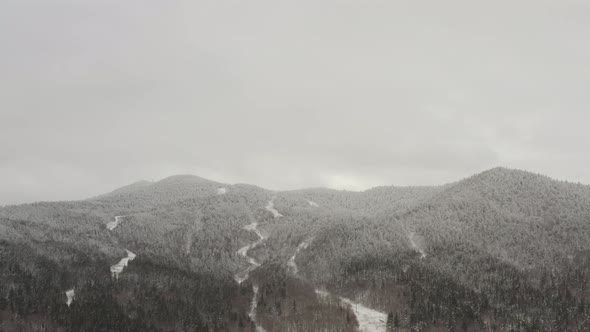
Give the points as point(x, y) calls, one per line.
point(288, 94)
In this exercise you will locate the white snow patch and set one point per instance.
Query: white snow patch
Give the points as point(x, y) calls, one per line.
point(313, 204)
point(322, 293)
point(130, 255)
point(413, 241)
point(291, 263)
point(221, 191)
point(113, 224)
point(271, 207)
point(119, 267)
point(188, 244)
point(369, 320)
point(240, 277)
point(70, 294)
point(253, 306)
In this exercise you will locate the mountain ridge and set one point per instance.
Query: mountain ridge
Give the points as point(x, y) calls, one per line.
point(486, 175)
point(481, 253)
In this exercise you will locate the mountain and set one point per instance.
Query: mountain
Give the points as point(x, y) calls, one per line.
point(503, 250)
point(143, 194)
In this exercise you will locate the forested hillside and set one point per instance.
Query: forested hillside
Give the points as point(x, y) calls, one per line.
point(504, 250)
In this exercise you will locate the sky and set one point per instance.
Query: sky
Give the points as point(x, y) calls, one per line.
point(97, 94)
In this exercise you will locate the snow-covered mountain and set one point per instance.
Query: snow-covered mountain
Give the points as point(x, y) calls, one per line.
point(503, 250)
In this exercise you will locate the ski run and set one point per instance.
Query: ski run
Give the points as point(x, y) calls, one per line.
point(369, 320)
point(241, 277)
point(271, 208)
point(113, 224)
point(119, 267)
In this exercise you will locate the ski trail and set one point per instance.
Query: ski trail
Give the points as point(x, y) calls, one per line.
point(411, 237)
point(253, 227)
point(70, 294)
point(242, 276)
point(253, 306)
point(313, 204)
point(369, 320)
point(113, 224)
point(119, 267)
point(291, 263)
point(271, 208)
point(188, 244)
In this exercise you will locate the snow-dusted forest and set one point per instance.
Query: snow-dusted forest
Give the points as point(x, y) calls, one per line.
point(504, 250)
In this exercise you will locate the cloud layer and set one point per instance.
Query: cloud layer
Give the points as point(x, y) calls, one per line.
point(288, 94)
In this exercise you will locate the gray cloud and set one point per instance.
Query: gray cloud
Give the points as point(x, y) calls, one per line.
point(347, 94)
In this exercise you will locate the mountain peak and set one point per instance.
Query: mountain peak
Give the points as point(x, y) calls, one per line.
point(505, 173)
point(184, 178)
